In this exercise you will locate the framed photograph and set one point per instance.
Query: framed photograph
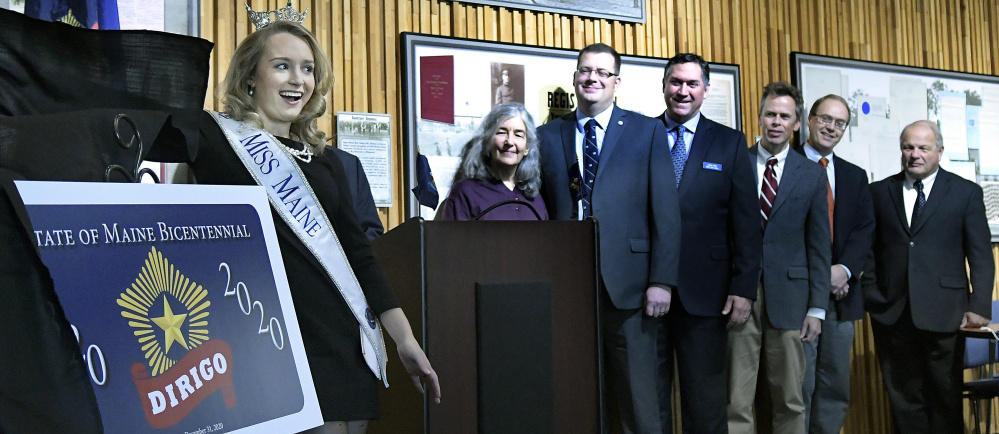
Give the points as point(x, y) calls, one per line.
point(883, 98)
point(508, 83)
point(622, 10)
point(450, 84)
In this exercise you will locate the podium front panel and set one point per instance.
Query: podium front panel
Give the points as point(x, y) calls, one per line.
point(453, 258)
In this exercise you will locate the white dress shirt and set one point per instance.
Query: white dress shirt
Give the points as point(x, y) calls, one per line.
point(909, 192)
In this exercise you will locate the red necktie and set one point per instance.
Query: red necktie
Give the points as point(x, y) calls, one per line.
point(829, 197)
point(768, 190)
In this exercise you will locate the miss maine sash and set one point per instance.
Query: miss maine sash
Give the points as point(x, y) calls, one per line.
point(293, 199)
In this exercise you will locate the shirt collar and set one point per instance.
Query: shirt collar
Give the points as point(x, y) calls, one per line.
point(927, 181)
point(814, 155)
point(602, 118)
point(765, 155)
point(690, 125)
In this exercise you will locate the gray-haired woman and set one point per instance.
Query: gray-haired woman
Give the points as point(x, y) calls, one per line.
point(500, 164)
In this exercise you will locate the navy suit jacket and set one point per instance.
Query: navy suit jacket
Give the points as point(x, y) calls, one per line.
point(853, 233)
point(925, 266)
point(719, 212)
point(797, 253)
point(634, 200)
point(360, 191)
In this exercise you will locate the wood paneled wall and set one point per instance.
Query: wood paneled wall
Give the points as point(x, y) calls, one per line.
point(361, 38)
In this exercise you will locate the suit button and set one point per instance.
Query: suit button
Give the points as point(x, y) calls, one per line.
point(912, 244)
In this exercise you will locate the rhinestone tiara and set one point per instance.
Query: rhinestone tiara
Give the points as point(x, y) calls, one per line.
point(263, 19)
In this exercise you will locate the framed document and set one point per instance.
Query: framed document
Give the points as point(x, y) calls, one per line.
point(368, 136)
point(621, 10)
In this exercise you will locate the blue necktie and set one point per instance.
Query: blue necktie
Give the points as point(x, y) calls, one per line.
point(917, 208)
point(591, 158)
point(679, 154)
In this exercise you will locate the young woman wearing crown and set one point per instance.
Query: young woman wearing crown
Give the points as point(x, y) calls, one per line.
point(267, 135)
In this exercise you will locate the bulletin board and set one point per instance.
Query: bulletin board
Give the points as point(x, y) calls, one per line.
point(450, 84)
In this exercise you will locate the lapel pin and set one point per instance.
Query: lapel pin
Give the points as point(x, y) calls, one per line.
point(620, 122)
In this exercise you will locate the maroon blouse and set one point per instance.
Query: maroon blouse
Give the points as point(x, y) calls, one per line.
point(470, 197)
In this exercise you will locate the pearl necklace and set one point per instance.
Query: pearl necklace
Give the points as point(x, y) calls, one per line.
point(305, 155)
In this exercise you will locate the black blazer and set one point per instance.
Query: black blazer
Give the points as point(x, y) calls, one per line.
point(360, 191)
point(634, 199)
point(925, 266)
point(720, 215)
point(853, 233)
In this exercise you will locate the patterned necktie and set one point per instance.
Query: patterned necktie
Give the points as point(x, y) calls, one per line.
point(591, 159)
point(679, 154)
point(829, 197)
point(768, 190)
point(917, 208)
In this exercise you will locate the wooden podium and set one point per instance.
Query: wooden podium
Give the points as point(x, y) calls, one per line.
point(507, 313)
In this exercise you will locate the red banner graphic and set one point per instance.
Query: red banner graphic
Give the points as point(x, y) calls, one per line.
point(170, 397)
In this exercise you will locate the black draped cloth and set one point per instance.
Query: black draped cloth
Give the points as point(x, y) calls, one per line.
point(60, 90)
point(50, 68)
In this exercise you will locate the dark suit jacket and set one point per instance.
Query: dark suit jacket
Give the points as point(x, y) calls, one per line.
point(719, 212)
point(360, 191)
point(634, 199)
point(796, 248)
point(925, 267)
point(853, 233)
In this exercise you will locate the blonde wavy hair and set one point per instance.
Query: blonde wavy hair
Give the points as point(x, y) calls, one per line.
point(236, 89)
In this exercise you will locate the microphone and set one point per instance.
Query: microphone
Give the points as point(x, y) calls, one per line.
point(507, 202)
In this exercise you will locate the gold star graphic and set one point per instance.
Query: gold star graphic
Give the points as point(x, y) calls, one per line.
point(170, 324)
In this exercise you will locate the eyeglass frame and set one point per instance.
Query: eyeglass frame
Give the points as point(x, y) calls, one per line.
point(599, 72)
point(827, 120)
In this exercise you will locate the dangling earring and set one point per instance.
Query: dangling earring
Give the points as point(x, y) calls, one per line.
point(251, 91)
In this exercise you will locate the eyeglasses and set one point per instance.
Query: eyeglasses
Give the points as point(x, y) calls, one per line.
point(602, 73)
point(826, 120)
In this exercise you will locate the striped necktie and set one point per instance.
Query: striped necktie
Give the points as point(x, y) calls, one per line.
point(591, 159)
point(768, 190)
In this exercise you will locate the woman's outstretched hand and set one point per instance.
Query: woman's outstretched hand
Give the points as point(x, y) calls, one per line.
point(419, 369)
point(413, 358)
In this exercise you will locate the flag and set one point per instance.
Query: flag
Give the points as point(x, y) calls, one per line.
point(89, 14)
point(425, 190)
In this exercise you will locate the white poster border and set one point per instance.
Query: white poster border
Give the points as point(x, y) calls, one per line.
point(87, 193)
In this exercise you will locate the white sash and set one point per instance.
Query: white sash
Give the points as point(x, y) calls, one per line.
point(292, 196)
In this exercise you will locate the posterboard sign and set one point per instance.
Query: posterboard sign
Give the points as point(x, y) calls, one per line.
point(180, 303)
